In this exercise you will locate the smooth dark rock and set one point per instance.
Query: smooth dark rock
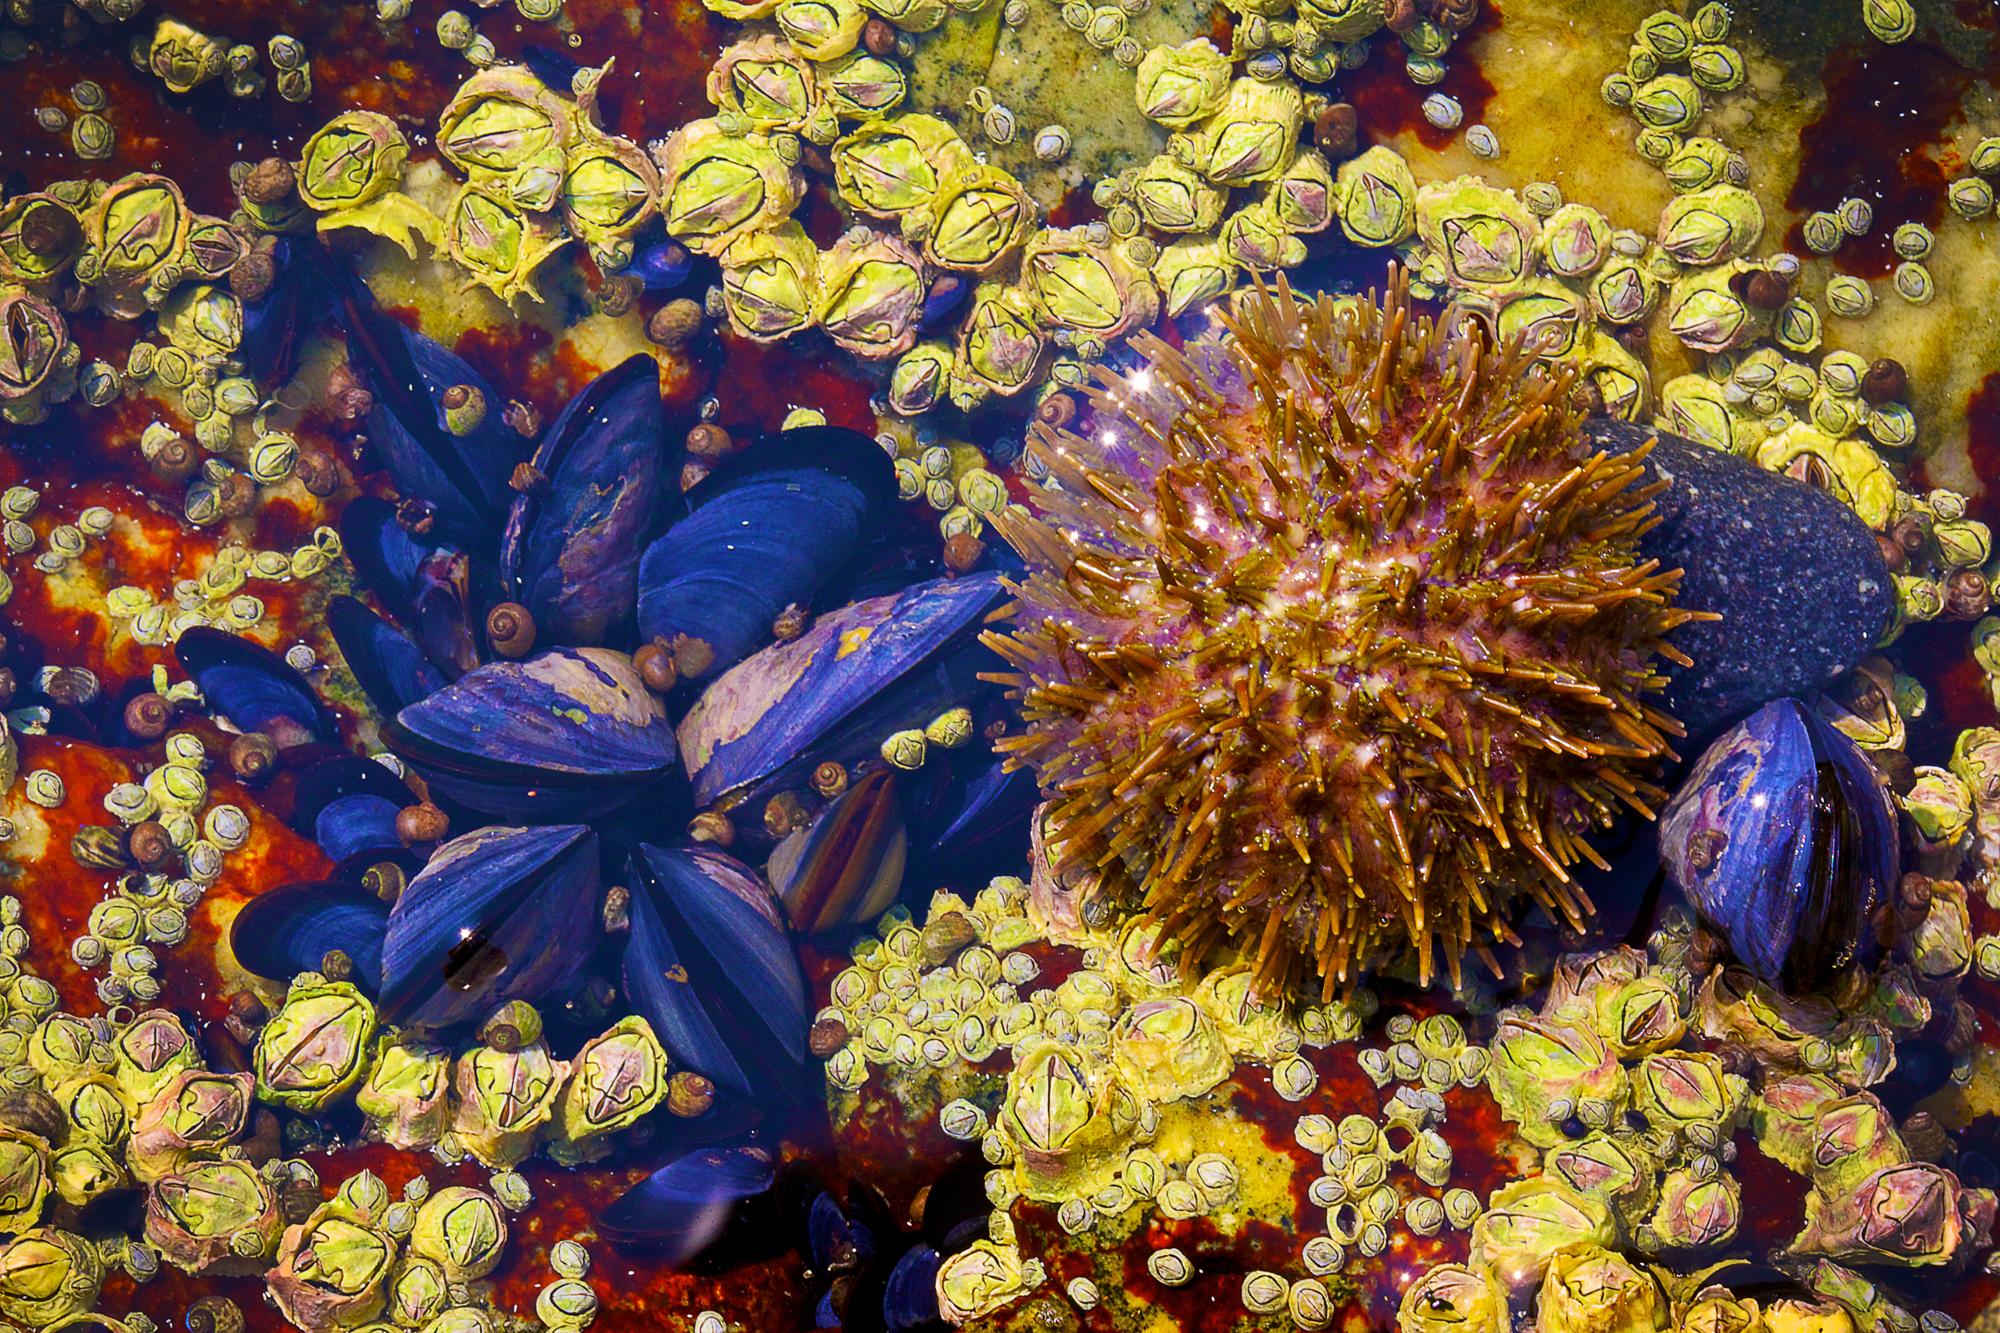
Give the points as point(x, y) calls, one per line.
point(1797, 577)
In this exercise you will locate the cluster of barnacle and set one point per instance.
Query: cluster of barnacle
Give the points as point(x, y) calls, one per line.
point(183, 58)
point(1636, 1130)
point(1667, 102)
point(90, 1104)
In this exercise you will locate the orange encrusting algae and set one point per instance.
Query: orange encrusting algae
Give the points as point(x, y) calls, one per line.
point(1348, 656)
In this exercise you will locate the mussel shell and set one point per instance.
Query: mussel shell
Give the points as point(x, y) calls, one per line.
point(909, 1299)
point(496, 915)
point(859, 674)
point(684, 1205)
point(348, 806)
point(428, 588)
point(761, 532)
point(553, 69)
point(710, 966)
point(566, 733)
point(310, 286)
point(846, 867)
point(1783, 838)
point(253, 686)
point(464, 478)
point(662, 267)
point(290, 929)
point(571, 555)
point(835, 1241)
point(391, 669)
point(973, 818)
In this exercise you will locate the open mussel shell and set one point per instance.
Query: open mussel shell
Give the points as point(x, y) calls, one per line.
point(571, 550)
point(310, 286)
point(391, 669)
point(462, 477)
point(426, 587)
point(496, 915)
point(348, 806)
point(846, 867)
point(859, 674)
point(254, 687)
point(835, 1242)
point(710, 965)
point(683, 1206)
point(762, 532)
point(1782, 838)
point(290, 929)
point(568, 733)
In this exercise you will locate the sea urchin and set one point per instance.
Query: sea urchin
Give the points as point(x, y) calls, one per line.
point(1335, 636)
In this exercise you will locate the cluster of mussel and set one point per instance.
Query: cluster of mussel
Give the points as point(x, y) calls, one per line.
point(609, 805)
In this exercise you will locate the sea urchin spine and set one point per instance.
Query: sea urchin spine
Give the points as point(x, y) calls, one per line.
point(1336, 637)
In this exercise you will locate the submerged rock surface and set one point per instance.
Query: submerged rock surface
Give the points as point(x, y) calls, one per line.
point(1797, 578)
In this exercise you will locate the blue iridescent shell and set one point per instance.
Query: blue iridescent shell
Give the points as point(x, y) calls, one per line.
point(1782, 838)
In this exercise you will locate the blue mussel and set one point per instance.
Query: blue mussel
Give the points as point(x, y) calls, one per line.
point(574, 658)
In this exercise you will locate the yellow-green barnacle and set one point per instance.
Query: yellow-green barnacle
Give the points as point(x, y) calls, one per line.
point(1643, 1016)
point(1852, 1138)
point(1250, 1028)
point(983, 1278)
point(1709, 226)
point(1716, 67)
point(1452, 1298)
point(1612, 1169)
point(1891, 21)
point(1940, 804)
point(1251, 137)
point(24, 1179)
point(1797, 326)
point(40, 237)
point(332, 1271)
point(151, 1051)
point(1169, 1048)
point(1575, 241)
point(1698, 164)
point(1179, 86)
point(207, 1214)
point(407, 1094)
point(348, 172)
point(1669, 103)
point(1697, 1210)
point(82, 1171)
point(921, 379)
point(418, 1292)
point(616, 1078)
point(65, 1047)
point(1847, 468)
point(464, 1231)
point(821, 29)
point(1619, 377)
point(497, 245)
point(1707, 316)
point(504, 1098)
point(1079, 284)
point(890, 167)
point(715, 187)
point(765, 81)
point(95, 1107)
point(138, 227)
point(1173, 197)
point(318, 1045)
point(1544, 313)
point(47, 1275)
point(507, 132)
point(1539, 1066)
point(184, 58)
point(1529, 1222)
point(1000, 341)
point(769, 281)
point(609, 188)
point(860, 86)
point(741, 10)
point(33, 356)
point(976, 220)
point(194, 1116)
point(1303, 198)
point(1063, 1116)
point(910, 15)
point(1625, 290)
point(1376, 198)
point(869, 293)
point(1675, 1088)
point(1346, 20)
point(1485, 237)
point(1694, 406)
point(1254, 238)
point(1595, 1291)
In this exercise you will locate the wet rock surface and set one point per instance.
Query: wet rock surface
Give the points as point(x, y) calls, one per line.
point(1797, 578)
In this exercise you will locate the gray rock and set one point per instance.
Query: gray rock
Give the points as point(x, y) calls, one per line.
point(1796, 576)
